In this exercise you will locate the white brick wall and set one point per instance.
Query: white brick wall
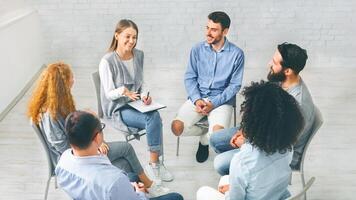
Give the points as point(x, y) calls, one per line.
point(79, 31)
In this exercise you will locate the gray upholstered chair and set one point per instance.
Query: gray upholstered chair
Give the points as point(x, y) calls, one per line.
point(51, 158)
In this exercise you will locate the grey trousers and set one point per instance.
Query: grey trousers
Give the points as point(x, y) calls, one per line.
point(123, 156)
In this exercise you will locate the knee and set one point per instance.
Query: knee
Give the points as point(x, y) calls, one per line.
point(217, 127)
point(177, 127)
point(153, 116)
point(213, 140)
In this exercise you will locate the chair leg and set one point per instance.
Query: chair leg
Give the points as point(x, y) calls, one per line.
point(55, 182)
point(177, 153)
point(234, 117)
point(162, 148)
point(47, 187)
point(303, 182)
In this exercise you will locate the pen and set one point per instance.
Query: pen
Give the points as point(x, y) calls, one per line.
point(148, 94)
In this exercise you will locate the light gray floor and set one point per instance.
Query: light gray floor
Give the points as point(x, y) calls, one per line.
point(331, 157)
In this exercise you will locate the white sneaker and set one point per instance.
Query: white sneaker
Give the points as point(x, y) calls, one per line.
point(157, 190)
point(165, 174)
point(152, 171)
point(158, 171)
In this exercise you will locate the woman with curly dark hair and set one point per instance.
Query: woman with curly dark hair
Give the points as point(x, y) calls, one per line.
point(271, 122)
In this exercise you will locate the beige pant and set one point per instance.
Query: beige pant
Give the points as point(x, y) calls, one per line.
point(208, 193)
point(218, 116)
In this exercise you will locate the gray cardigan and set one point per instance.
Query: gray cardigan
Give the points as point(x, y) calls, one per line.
point(114, 74)
point(55, 134)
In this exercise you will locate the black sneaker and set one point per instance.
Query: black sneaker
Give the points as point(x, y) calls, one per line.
point(202, 153)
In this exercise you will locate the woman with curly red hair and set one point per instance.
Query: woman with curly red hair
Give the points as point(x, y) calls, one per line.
point(52, 102)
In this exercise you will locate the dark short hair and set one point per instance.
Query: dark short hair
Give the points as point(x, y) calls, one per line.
point(220, 17)
point(81, 126)
point(293, 56)
point(271, 118)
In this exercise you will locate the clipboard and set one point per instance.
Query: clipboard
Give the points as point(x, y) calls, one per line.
point(140, 106)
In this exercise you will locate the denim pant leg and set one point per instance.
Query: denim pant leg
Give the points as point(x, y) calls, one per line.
point(170, 196)
point(220, 140)
point(151, 121)
point(123, 156)
point(223, 160)
point(122, 164)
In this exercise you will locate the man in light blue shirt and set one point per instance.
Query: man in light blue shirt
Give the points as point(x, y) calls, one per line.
point(213, 77)
point(271, 122)
point(85, 174)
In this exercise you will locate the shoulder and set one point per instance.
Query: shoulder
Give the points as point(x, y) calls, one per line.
point(306, 100)
point(199, 46)
point(304, 89)
point(48, 119)
point(109, 56)
point(107, 60)
point(245, 152)
point(65, 160)
point(243, 157)
point(137, 52)
point(233, 47)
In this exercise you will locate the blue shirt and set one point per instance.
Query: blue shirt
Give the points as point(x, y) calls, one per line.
point(94, 177)
point(256, 175)
point(214, 75)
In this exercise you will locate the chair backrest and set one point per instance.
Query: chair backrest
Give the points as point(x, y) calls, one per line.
point(318, 121)
point(51, 158)
point(97, 84)
point(301, 194)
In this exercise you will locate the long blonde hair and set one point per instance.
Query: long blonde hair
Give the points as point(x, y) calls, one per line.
point(121, 26)
point(52, 93)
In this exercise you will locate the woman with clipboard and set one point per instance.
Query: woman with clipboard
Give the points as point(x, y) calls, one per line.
point(121, 76)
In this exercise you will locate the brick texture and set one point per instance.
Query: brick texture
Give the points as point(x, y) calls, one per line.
point(79, 31)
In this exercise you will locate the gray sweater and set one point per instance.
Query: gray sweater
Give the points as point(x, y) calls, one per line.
point(55, 135)
point(114, 74)
point(301, 93)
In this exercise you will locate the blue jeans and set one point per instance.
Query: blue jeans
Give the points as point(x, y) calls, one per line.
point(151, 121)
point(223, 160)
point(220, 142)
point(170, 196)
point(123, 156)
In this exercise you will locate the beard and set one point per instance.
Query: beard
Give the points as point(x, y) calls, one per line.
point(276, 77)
point(215, 40)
